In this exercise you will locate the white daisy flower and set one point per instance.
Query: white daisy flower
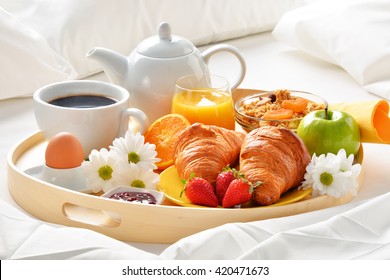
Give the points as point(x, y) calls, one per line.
point(334, 175)
point(100, 170)
point(135, 176)
point(346, 163)
point(133, 149)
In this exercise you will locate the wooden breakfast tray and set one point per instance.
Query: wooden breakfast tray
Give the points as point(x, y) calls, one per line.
point(166, 223)
point(140, 223)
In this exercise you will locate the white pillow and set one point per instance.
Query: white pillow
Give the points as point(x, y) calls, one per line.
point(65, 30)
point(27, 61)
point(354, 34)
point(72, 27)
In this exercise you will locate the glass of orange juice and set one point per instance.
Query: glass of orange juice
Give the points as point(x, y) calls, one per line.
point(205, 99)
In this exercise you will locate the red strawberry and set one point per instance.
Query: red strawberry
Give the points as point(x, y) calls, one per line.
point(239, 191)
point(222, 183)
point(200, 192)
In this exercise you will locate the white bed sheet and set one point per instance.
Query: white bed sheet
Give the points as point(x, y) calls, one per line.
point(271, 64)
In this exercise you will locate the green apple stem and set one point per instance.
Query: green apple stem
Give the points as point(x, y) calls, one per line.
point(326, 113)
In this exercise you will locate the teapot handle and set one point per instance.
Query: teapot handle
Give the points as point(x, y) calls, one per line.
point(233, 50)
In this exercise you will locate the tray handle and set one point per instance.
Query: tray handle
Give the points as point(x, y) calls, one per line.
point(92, 216)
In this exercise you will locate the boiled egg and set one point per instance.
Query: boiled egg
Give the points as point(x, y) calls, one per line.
point(64, 151)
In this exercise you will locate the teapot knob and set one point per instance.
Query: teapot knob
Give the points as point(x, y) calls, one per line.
point(164, 31)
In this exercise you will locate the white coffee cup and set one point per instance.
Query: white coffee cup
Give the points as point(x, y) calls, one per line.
point(95, 127)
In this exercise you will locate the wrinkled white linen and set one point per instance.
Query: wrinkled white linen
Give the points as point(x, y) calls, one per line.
point(357, 230)
point(353, 34)
point(353, 231)
point(27, 61)
point(22, 237)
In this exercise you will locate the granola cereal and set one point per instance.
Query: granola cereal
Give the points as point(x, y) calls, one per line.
point(279, 108)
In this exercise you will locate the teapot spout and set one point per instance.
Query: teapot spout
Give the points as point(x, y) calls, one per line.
point(114, 64)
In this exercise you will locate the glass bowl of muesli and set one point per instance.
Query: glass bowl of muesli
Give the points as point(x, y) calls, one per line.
point(282, 108)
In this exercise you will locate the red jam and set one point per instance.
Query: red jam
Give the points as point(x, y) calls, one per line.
point(137, 197)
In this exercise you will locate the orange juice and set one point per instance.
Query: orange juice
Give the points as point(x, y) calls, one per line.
point(205, 106)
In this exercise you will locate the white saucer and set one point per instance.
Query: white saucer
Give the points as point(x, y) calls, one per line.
point(37, 172)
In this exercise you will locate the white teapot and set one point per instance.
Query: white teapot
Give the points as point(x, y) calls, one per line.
point(151, 70)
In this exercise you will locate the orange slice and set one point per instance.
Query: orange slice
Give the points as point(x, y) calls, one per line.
point(279, 114)
point(298, 105)
point(163, 133)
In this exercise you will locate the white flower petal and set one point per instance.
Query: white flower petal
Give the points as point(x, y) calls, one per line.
point(340, 185)
point(97, 160)
point(356, 169)
point(132, 173)
point(342, 170)
point(342, 154)
point(135, 143)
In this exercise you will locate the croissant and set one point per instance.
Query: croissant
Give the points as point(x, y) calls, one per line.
point(275, 156)
point(205, 150)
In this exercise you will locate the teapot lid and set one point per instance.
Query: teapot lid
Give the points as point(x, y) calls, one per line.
point(165, 45)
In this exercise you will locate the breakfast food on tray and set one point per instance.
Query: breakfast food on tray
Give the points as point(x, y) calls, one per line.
point(163, 133)
point(205, 150)
point(64, 151)
point(200, 192)
point(282, 108)
point(275, 156)
point(272, 160)
point(137, 197)
point(280, 104)
point(238, 192)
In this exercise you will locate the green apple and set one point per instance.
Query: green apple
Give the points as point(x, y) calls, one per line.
point(326, 131)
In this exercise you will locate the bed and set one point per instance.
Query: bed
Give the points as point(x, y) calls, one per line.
point(348, 60)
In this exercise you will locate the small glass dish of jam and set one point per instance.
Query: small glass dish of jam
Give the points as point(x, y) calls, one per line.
point(133, 195)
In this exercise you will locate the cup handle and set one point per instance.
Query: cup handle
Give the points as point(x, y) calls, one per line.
point(233, 50)
point(139, 115)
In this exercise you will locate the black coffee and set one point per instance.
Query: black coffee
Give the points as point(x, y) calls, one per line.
point(83, 101)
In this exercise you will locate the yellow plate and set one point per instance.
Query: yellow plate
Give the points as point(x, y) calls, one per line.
point(171, 185)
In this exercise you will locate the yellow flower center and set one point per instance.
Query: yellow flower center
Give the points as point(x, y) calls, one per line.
point(133, 157)
point(138, 184)
point(326, 178)
point(105, 172)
